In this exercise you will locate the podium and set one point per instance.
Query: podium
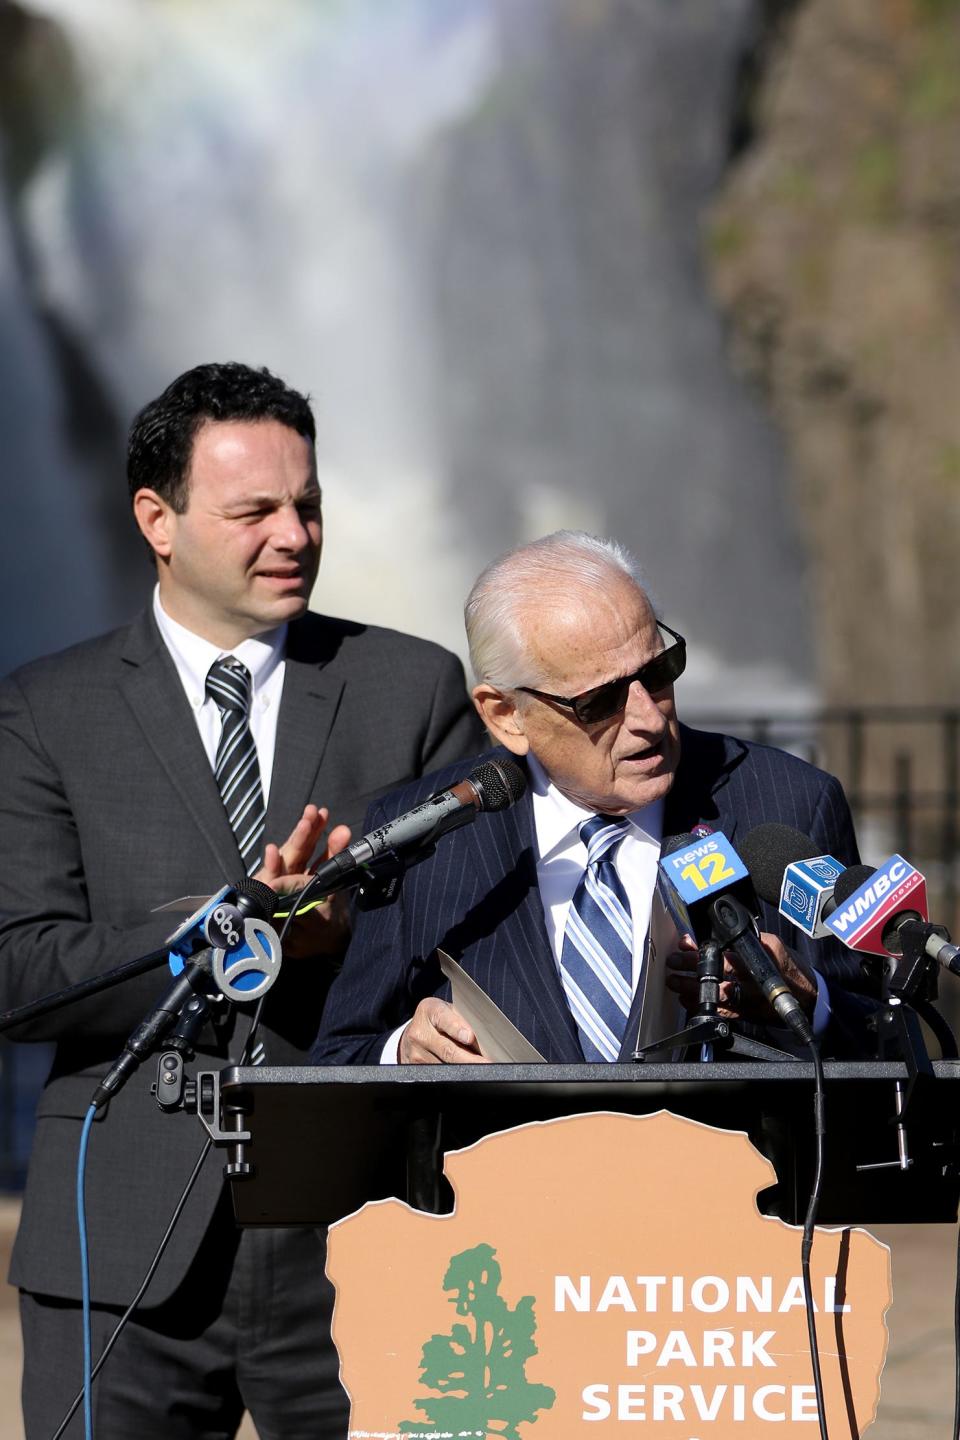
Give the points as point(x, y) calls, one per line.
point(314, 1144)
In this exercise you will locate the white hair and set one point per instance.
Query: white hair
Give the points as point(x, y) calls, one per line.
point(509, 585)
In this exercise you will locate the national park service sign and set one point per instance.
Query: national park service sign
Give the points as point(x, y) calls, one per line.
point(603, 1275)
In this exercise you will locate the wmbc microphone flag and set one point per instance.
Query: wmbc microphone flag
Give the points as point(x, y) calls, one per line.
point(860, 923)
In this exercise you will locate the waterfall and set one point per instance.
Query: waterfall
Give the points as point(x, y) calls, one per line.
point(402, 208)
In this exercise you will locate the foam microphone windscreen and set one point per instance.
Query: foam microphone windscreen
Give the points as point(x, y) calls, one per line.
point(767, 851)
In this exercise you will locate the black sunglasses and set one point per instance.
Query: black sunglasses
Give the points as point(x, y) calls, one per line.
point(608, 700)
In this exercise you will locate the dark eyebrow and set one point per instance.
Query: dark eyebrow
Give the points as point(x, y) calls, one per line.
point(268, 502)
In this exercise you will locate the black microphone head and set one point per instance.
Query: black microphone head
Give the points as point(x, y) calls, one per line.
point(677, 842)
point(767, 851)
point(499, 783)
point(256, 899)
point(852, 878)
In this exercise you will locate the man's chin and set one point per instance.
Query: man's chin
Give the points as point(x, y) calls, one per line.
point(641, 785)
point(640, 793)
point(279, 612)
point(286, 607)
point(626, 795)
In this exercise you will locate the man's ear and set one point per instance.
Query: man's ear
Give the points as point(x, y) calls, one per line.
point(155, 518)
point(502, 718)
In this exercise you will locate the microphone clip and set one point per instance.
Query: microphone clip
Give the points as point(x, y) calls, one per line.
point(914, 973)
point(224, 1121)
point(382, 877)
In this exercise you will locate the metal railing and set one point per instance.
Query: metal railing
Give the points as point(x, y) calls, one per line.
point(900, 767)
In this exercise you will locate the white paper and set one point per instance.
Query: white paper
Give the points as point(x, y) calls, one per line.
point(498, 1037)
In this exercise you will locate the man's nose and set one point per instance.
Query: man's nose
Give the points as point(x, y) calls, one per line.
point(290, 532)
point(641, 710)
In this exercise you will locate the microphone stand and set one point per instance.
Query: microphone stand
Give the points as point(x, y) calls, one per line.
point(83, 988)
point(910, 979)
point(377, 881)
point(705, 1026)
point(914, 980)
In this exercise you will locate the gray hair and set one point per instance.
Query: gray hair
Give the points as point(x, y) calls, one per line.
point(491, 614)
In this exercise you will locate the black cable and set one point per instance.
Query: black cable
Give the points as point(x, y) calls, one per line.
point(942, 1032)
point(809, 1224)
point(151, 1271)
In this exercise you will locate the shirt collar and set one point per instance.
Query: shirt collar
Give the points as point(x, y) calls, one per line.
point(557, 818)
point(193, 655)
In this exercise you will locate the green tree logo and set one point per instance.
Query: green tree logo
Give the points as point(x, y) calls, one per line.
point(478, 1369)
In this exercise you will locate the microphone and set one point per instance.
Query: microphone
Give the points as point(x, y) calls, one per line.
point(788, 873)
point(494, 785)
point(869, 916)
point(212, 924)
point(216, 925)
point(256, 903)
point(714, 886)
point(860, 893)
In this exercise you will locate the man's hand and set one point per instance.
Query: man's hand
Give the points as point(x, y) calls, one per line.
point(740, 998)
point(287, 868)
point(437, 1035)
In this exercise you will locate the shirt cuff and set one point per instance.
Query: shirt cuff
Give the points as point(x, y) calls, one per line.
point(821, 1010)
point(390, 1055)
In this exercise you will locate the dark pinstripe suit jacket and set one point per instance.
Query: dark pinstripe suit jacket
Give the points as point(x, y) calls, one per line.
point(477, 899)
point(108, 807)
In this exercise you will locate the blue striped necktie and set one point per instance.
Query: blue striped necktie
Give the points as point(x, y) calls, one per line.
point(596, 963)
point(237, 769)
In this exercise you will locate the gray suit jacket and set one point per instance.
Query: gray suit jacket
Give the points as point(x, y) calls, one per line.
point(108, 807)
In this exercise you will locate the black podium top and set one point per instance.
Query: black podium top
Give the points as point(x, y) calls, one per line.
point(325, 1140)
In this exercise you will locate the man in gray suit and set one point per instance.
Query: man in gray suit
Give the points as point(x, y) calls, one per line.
point(165, 759)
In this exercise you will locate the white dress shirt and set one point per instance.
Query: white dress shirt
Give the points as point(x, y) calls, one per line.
point(562, 859)
point(263, 656)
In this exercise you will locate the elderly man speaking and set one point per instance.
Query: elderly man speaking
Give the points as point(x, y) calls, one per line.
point(575, 679)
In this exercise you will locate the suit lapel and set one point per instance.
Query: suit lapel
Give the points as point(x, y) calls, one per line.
point(151, 687)
point(311, 697)
point(523, 943)
point(698, 795)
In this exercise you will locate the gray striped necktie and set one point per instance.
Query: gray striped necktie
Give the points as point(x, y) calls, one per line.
point(596, 962)
point(237, 769)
